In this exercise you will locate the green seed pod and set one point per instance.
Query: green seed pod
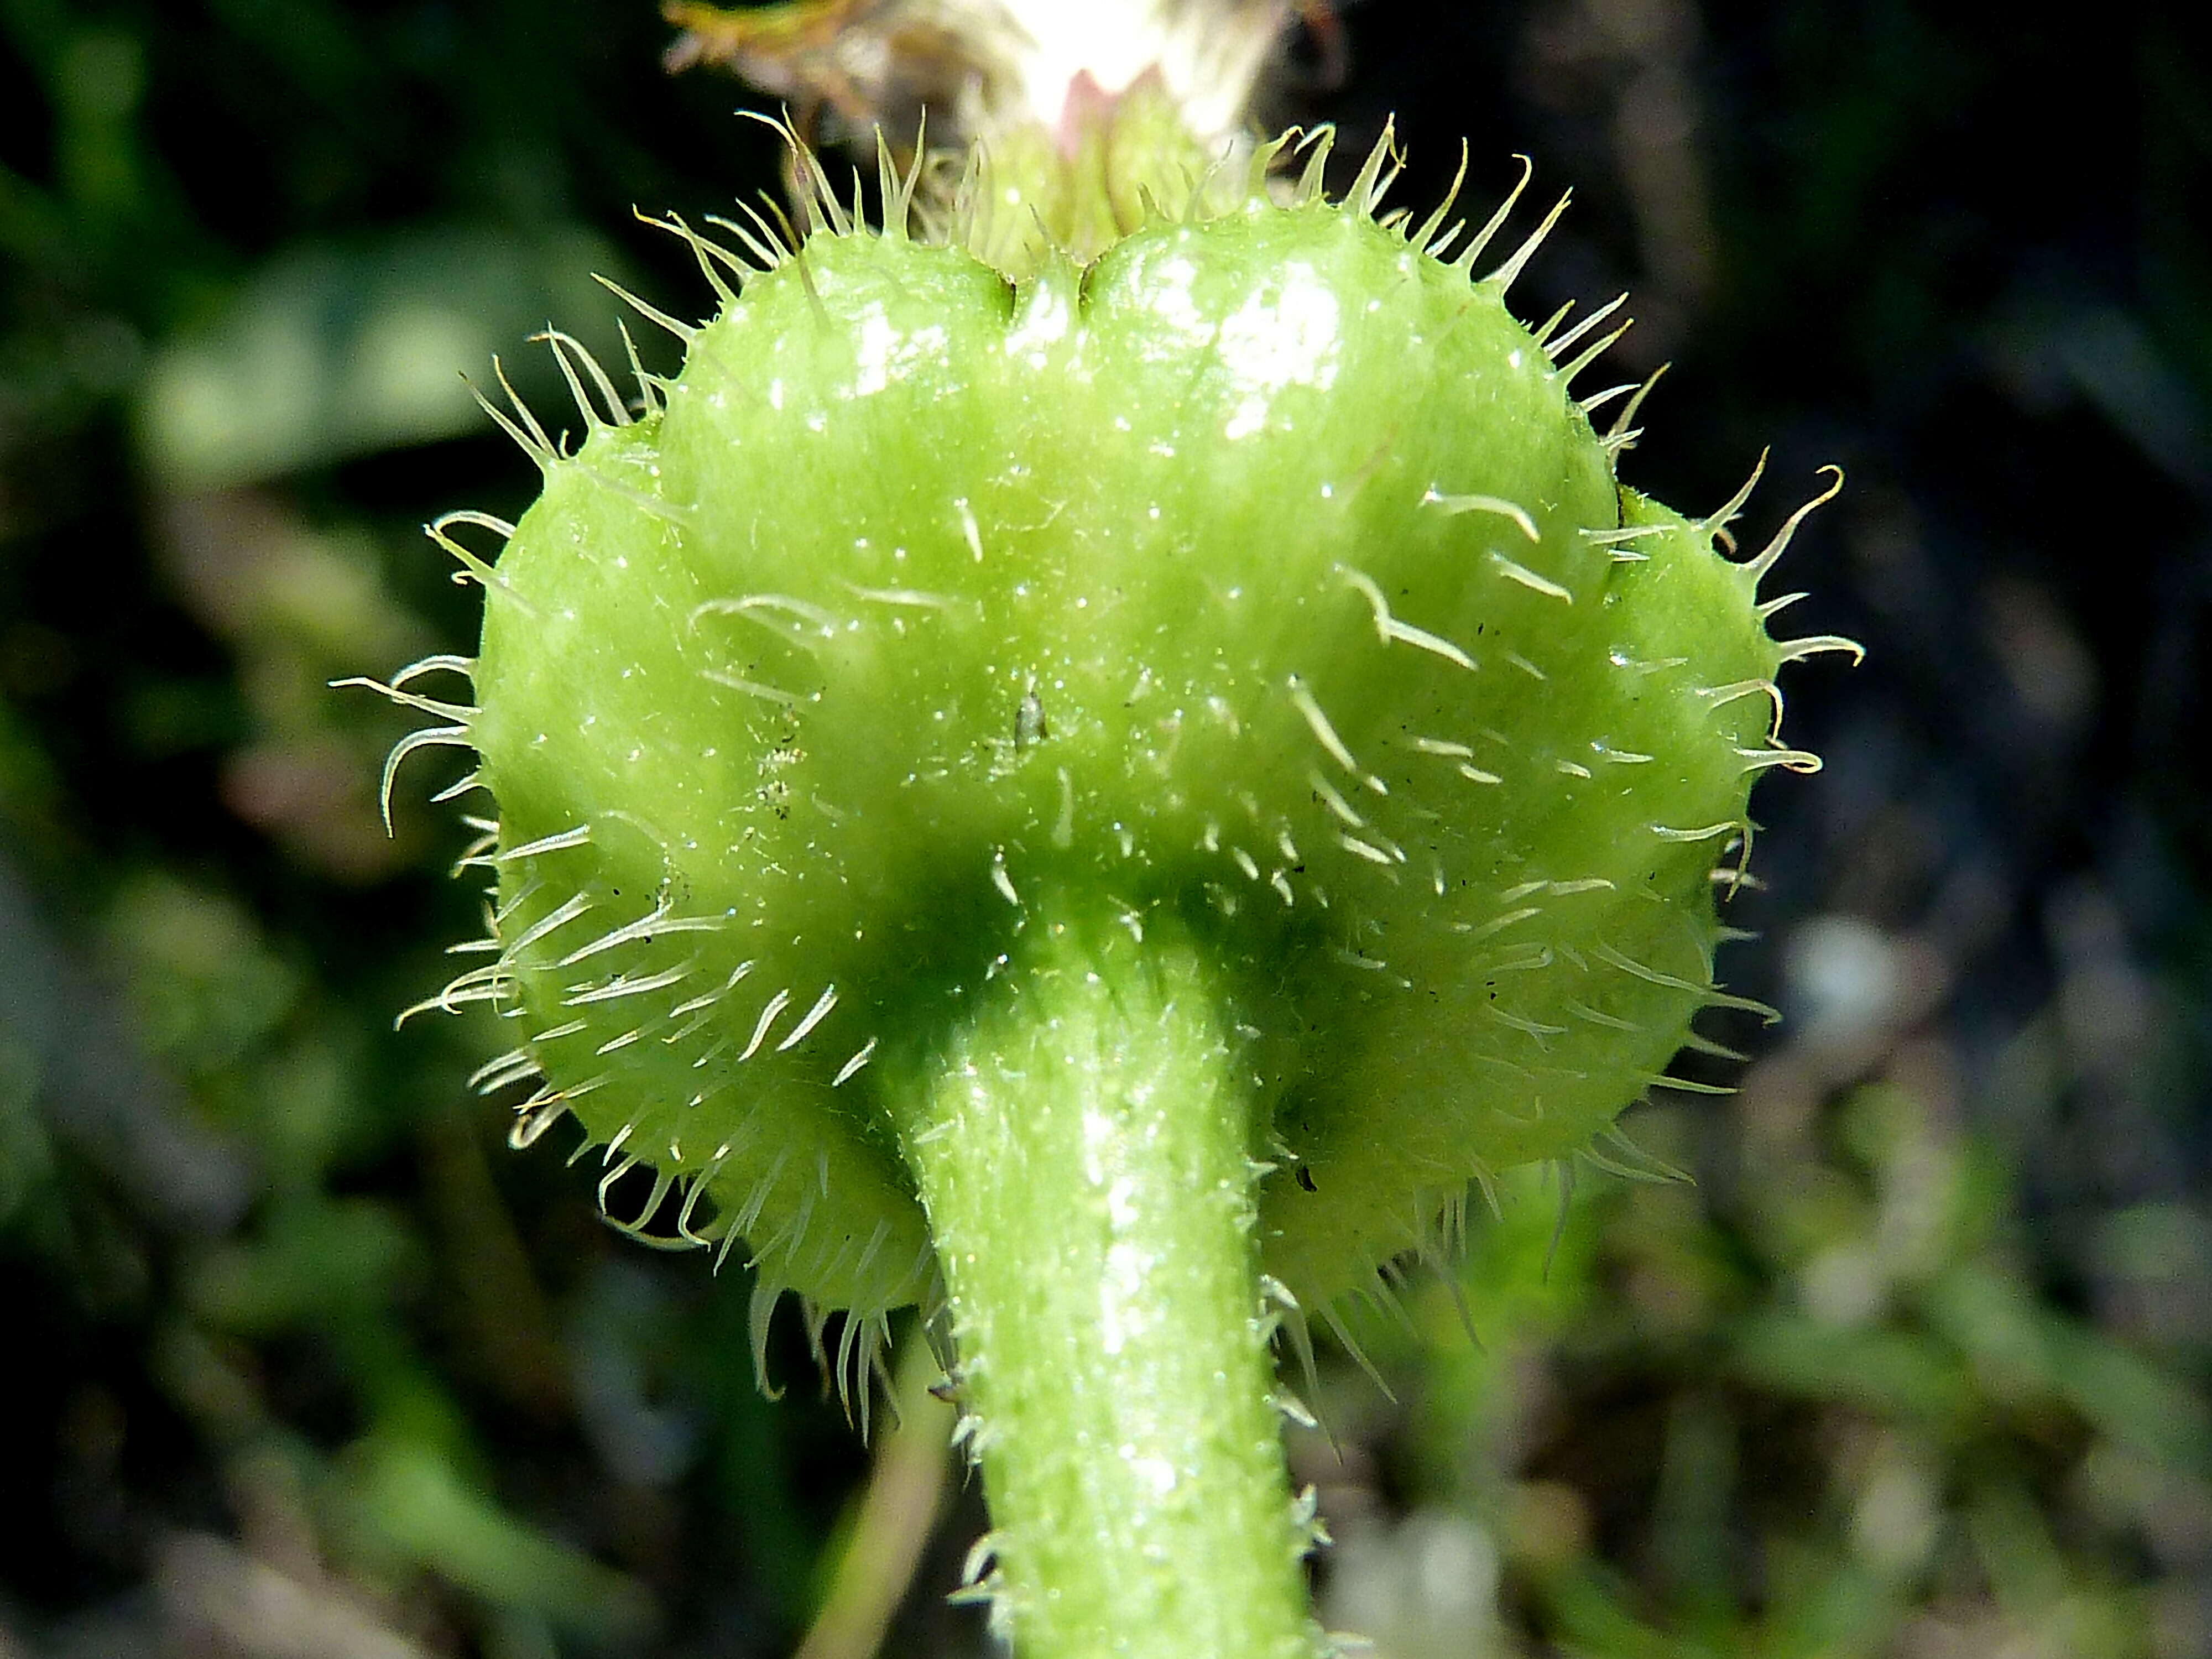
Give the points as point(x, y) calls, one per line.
point(1094, 767)
point(1260, 587)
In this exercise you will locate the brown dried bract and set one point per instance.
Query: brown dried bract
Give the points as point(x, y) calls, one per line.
point(871, 63)
point(865, 62)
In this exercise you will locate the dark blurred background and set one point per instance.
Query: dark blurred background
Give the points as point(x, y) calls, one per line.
point(307, 1363)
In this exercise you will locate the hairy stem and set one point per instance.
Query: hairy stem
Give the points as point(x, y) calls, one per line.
point(1086, 1159)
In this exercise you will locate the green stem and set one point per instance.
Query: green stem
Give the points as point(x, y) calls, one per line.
point(1086, 1159)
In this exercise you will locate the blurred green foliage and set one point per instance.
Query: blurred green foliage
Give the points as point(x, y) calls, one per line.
point(314, 1365)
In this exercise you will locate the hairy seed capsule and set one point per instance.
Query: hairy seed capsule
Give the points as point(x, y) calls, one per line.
point(1262, 580)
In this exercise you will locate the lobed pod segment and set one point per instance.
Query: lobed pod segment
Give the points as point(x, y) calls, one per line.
point(1261, 582)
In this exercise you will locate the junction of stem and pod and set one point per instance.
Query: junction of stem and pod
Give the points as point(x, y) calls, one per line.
point(1082, 763)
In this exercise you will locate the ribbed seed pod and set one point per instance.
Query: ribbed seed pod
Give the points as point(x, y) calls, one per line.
point(1261, 582)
